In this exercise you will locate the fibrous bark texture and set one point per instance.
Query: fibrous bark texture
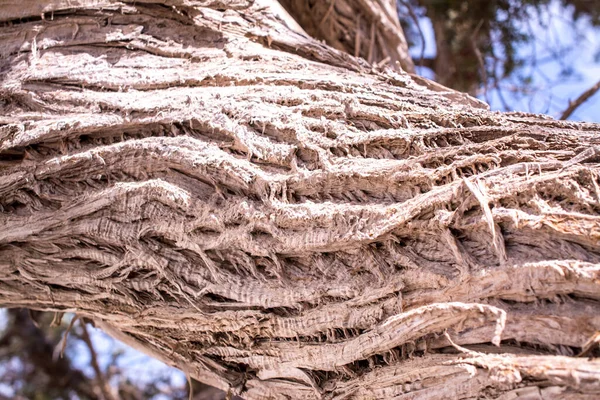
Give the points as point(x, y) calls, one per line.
point(279, 220)
point(366, 28)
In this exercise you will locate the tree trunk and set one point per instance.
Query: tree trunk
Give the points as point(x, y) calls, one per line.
point(279, 220)
point(365, 28)
point(458, 62)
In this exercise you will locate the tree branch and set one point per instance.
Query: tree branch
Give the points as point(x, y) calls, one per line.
point(280, 220)
point(102, 383)
point(573, 105)
point(415, 19)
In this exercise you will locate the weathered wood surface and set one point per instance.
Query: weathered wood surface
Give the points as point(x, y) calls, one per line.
point(279, 220)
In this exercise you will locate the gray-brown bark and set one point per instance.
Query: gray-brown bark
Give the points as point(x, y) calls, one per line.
point(278, 220)
point(365, 28)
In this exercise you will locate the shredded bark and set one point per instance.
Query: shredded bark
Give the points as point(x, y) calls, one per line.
point(280, 220)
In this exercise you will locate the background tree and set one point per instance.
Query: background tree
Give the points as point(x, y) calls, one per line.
point(478, 43)
point(277, 218)
point(41, 358)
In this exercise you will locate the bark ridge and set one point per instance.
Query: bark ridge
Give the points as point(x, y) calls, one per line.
point(280, 220)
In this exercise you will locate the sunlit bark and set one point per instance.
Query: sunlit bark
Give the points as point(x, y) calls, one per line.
point(279, 219)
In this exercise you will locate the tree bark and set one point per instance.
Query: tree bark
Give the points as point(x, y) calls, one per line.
point(365, 28)
point(280, 220)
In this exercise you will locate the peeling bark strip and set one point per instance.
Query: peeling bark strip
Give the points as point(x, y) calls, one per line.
point(274, 218)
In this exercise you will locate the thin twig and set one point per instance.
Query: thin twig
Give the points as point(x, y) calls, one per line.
point(328, 13)
point(191, 386)
point(32, 318)
point(357, 38)
point(371, 43)
point(106, 393)
point(63, 344)
point(57, 319)
point(480, 60)
point(386, 54)
point(580, 100)
point(461, 348)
